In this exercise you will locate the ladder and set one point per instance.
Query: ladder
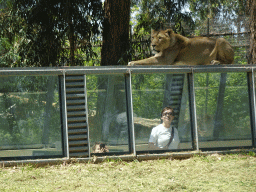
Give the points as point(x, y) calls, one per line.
point(173, 94)
point(76, 116)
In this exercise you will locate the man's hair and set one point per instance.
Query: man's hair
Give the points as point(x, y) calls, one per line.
point(103, 147)
point(167, 108)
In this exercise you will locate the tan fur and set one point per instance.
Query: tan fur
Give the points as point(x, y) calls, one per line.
point(175, 49)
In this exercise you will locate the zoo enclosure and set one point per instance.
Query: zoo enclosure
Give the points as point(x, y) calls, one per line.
point(236, 32)
point(63, 112)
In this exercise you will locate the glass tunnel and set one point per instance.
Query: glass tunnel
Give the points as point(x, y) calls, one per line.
point(80, 112)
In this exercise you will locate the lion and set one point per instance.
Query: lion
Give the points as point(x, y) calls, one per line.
point(175, 49)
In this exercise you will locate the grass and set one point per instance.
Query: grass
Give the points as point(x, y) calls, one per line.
point(199, 173)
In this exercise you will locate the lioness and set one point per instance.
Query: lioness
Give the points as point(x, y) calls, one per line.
point(175, 49)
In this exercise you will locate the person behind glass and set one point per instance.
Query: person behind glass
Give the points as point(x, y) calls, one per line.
point(164, 136)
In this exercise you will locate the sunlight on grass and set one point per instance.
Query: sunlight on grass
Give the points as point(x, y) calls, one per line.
point(210, 173)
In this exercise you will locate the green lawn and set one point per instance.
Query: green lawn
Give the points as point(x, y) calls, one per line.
point(210, 173)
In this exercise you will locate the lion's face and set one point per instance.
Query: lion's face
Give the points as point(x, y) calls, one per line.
point(161, 40)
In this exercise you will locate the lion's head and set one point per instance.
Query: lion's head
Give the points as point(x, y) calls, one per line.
point(161, 40)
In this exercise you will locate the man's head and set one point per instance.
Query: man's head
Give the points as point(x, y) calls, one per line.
point(167, 115)
point(100, 148)
point(169, 109)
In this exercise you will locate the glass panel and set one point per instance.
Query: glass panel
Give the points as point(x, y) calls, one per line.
point(107, 113)
point(30, 116)
point(153, 92)
point(223, 114)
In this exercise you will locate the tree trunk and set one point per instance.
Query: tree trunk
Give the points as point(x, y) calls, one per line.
point(71, 36)
point(115, 32)
point(218, 121)
point(109, 108)
point(48, 109)
point(252, 54)
point(72, 44)
point(115, 44)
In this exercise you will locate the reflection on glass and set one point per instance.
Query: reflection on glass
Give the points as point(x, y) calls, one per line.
point(151, 93)
point(107, 113)
point(29, 117)
point(223, 115)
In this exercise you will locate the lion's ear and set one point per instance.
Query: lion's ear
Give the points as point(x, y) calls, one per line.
point(169, 31)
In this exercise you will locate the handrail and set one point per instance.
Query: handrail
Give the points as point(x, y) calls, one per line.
point(124, 69)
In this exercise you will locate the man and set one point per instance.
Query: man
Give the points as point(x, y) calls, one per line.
point(99, 148)
point(164, 136)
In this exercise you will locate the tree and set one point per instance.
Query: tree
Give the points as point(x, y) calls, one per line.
point(115, 32)
point(53, 27)
point(252, 51)
point(161, 14)
point(114, 52)
point(226, 12)
point(9, 36)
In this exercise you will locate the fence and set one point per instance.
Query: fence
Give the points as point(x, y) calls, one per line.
point(64, 112)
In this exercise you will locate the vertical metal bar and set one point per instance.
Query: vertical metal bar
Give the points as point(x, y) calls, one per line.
point(64, 115)
point(129, 108)
point(251, 90)
point(206, 94)
point(208, 27)
point(87, 119)
point(192, 104)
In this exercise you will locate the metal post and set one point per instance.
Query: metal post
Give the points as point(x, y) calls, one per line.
point(64, 116)
point(207, 74)
point(129, 103)
point(192, 104)
point(87, 116)
point(208, 27)
point(251, 90)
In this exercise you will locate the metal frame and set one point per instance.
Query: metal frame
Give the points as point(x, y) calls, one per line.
point(252, 104)
point(125, 69)
point(128, 71)
point(192, 106)
point(64, 116)
point(129, 103)
point(86, 112)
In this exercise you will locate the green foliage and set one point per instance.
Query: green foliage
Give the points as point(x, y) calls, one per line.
point(202, 9)
point(148, 95)
point(236, 116)
point(240, 55)
point(9, 35)
point(253, 154)
point(156, 14)
point(22, 111)
point(8, 53)
point(42, 29)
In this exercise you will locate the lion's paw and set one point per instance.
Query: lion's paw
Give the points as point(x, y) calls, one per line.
point(215, 62)
point(131, 63)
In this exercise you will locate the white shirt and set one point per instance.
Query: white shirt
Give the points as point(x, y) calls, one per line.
point(161, 135)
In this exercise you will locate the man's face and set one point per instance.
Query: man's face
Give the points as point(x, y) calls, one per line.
point(97, 149)
point(167, 116)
